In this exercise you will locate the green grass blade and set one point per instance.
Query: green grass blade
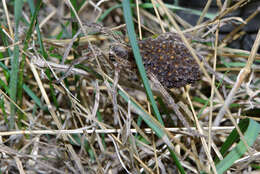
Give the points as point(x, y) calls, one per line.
point(100, 119)
point(2, 106)
point(15, 61)
point(43, 53)
point(18, 5)
point(74, 24)
point(107, 12)
point(76, 140)
point(137, 55)
point(148, 120)
point(27, 90)
point(251, 131)
point(22, 64)
point(37, 101)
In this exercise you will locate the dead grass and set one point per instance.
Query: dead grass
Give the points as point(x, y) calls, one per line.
point(75, 112)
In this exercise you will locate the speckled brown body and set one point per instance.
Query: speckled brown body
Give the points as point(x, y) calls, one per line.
point(165, 56)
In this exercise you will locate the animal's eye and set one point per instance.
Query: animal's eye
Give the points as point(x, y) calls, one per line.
point(112, 54)
point(118, 51)
point(112, 57)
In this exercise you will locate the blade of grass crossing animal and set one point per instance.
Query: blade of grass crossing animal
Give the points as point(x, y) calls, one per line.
point(138, 59)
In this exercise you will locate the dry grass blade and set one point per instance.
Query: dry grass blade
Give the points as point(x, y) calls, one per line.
point(240, 79)
point(55, 118)
point(199, 58)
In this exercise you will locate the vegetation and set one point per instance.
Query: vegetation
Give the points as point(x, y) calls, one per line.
point(66, 107)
